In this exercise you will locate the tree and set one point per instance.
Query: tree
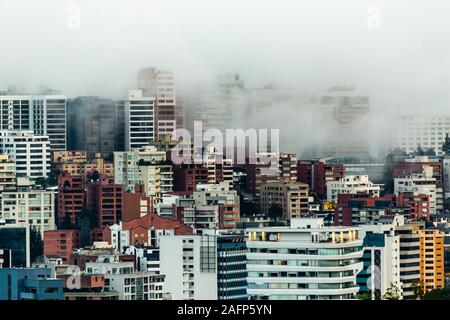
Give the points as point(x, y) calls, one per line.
point(248, 208)
point(388, 174)
point(392, 293)
point(86, 214)
point(67, 222)
point(50, 181)
point(367, 295)
point(36, 244)
point(418, 289)
point(446, 145)
point(275, 211)
point(437, 294)
point(419, 151)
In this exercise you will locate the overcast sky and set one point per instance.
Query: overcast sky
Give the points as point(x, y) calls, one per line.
point(401, 57)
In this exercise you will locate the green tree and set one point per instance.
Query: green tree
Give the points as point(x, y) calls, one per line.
point(419, 151)
point(367, 295)
point(67, 224)
point(392, 293)
point(418, 289)
point(247, 207)
point(36, 244)
point(388, 174)
point(275, 212)
point(437, 294)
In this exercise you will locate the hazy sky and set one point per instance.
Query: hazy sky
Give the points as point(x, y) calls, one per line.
point(401, 57)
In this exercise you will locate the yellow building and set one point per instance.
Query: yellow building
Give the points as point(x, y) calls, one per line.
point(7, 173)
point(292, 198)
point(78, 163)
point(431, 259)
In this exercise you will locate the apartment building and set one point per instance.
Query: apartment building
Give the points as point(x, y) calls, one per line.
point(220, 195)
point(419, 184)
point(30, 152)
point(431, 259)
point(231, 267)
point(61, 243)
point(139, 120)
point(91, 125)
point(127, 168)
point(44, 115)
point(161, 85)
point(430, 166)
point(190, 265)
point(409, 259)
point(291, 197)
point(79, 163)
point(35, 208)
point(71, 198)
point(316, 173)
point(351, 185)
point(15, 243)
point(8, 177)
point(426, 130)
point(304, 261)
point(346, 113)
point(381, 260)
point(122, 278)
point(30, 284)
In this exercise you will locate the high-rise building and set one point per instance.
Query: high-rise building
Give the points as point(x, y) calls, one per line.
point(219, 195)
point(408, 131)
point(432, 259)
point(161, 85)
point(120, 126)
point(91, 125)
point(217, 104)
point(381, 261)
point(409, 259)
point(316, 173)
point(304, 261)
point(35, 207)
point(345, 112)
point(147, 166)
point(423, 165)
point(30, 152)
point(139, 120)
point(104, 200)
point(231, 267)
point(44, 115)
point(190, 265)
point(351, 185)
point(291, 197)
point(8, 177)
point(71, 197)
point(418, 184)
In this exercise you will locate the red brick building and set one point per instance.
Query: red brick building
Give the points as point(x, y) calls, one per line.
point(407, 168)
point(229, 215)
point(104, 200)
point(186, 177)
point(414, 207)
point(139, 228)
point(419, 204)
point(71, 197)
point(316, 173)
point(61, 243)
